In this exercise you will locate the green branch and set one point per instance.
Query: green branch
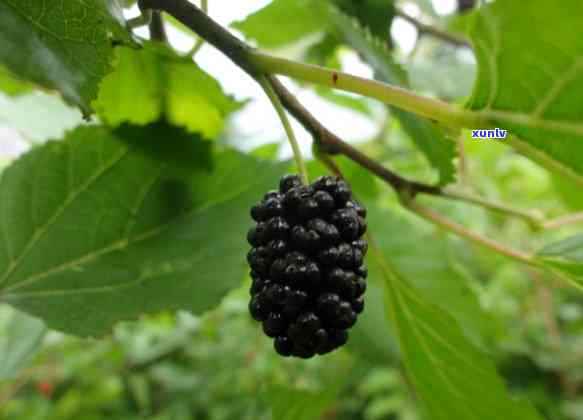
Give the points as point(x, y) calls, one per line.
point(425, 29)
point(563, 221)
point(534, 217)
point(433, 109)
point(472, 236)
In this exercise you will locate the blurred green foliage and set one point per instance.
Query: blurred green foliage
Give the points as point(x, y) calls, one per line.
point(175, 365)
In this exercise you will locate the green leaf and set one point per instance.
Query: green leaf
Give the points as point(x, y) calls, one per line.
point(439, 151)
point(267, 151)
point(281, 22)
point(460, 24)
point(364, 336)
point(20, 338)
point(427, 8)
point(441, 72)
point(430, 268)
point(375, 15)
point(346, 101)
point(569, 191)
point(61, 45)
point(453, 379)
point(565, 258)
point(110, 228)
point(154, 82)
point(11, 85)
point(292, 404)
point(324, 53)
point(531, 81)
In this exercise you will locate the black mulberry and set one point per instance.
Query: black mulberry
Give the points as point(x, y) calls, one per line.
point(307, 265)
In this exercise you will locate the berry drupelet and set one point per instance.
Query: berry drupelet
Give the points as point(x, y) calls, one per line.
point(307, 265)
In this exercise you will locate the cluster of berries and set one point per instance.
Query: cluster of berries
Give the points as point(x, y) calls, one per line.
point(307, 265)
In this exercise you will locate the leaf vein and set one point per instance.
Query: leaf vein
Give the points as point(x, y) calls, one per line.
point(558, 86)
point(41, 230)
point(117, 245)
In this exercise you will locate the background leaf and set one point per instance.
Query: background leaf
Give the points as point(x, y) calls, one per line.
point(61, 45)
point(566, 257)
point(347, 101)
point(453, 379)
point(281, 22)
point(375, 15)
point(109, 231)
point(292, 404)
point(154, 82)
point(364, 336)
point(531, 81)
point(430, 269)
point(12, 85)
point(569, 191)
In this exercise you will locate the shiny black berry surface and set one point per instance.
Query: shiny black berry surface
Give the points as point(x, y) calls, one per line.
point(307, 265)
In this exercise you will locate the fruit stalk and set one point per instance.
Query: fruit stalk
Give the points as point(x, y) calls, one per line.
point(268, 88)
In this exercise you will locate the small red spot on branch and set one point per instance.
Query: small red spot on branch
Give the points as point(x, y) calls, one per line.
point(334, 77)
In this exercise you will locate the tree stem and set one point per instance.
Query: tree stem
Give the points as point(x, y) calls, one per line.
point(156, 26)
point(475, 237)
point(425, 29)
point(533, 217)
point(463, 164)
point(272, 95)
point(563, 221)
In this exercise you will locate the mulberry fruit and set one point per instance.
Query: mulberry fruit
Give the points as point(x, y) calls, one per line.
point(307, 265)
